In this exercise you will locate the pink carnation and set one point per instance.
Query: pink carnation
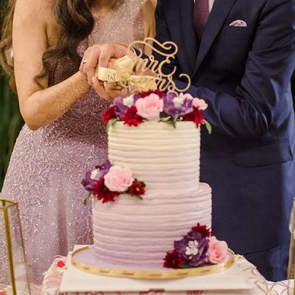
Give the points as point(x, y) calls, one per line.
point(217, 251)
point(150, 107)
point(200, 103)
point(118, 179)
point(185, 96)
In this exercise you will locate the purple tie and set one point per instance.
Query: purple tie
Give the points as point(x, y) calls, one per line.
point(201, 14)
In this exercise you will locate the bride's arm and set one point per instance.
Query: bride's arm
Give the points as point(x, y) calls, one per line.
point(149, 21)
point(39, 106)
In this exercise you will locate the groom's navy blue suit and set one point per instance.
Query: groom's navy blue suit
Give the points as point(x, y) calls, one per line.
point(243, 73)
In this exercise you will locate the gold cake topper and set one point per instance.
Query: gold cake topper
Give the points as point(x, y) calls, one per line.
point(142, 72)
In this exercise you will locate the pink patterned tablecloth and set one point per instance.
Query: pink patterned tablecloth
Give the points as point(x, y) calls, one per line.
point(53, 277)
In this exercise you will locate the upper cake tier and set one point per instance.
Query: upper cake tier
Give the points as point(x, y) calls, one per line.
point(166, 158)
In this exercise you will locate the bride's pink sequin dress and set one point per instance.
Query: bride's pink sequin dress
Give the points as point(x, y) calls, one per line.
point(47, 165)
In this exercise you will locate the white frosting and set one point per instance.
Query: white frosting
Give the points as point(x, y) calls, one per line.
point(138, 233)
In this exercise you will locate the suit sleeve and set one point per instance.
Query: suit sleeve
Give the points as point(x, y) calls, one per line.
point(262, 99)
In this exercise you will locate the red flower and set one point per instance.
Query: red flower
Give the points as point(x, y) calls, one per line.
point(101, 192)
point(131, 118)
point(196, 116)
point(137, 188)
point(60, 264)
point(172, 260)
point(147, 93)
point(203, 230)
point(109, 114)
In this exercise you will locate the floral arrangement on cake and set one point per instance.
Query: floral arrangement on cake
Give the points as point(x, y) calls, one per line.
point(155, 105)
point(196, 248)
point(108, 181)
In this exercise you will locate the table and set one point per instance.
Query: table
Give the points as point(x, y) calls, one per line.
point(53, 277)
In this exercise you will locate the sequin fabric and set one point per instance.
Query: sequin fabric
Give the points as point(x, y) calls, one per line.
point(47, 165)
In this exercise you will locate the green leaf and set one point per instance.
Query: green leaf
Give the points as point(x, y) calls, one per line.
point(164, 116)
point(172, 123)
point(86, 200)
point(208, 127)
point(137, 196)
point(185, 266)
point(112, 122)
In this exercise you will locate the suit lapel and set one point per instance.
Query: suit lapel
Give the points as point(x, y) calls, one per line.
point(217, 17)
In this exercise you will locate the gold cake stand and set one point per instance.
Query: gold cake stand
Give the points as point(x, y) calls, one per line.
point(150, 274)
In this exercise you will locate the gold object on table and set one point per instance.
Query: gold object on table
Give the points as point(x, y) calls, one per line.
point(14, 278)
point(151, 274)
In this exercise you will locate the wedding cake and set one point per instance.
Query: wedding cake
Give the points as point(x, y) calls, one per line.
point(149, 209)
point(138, 233)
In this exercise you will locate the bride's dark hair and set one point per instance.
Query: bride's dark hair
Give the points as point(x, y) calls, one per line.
point(74, 23)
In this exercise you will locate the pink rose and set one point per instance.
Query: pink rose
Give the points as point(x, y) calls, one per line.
point(118, 179)
point(150, 107)
point(198, 102)
point(185, 95)
point(217, 251)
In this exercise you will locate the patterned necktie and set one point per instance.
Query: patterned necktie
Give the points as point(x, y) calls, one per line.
point(201, 14)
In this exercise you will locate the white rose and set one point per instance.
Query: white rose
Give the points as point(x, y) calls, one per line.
point(128, 101)
point(95, 174)
point(178, 101)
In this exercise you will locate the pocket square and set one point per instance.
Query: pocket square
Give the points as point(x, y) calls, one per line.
point(238, 23)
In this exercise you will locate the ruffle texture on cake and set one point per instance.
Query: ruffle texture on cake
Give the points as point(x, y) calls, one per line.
point(137, 233)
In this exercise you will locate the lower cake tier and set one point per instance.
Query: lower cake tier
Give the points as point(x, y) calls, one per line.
point(136, 233)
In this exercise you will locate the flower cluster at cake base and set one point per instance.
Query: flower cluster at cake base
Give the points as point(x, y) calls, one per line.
point(108, 181)
point(197, 248)
point(155, 105)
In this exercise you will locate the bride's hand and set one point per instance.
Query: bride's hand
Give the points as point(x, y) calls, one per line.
point(114, 90)
point(100, 56)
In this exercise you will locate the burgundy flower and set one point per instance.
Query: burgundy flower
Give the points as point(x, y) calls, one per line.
point(203, 230)
point(172, 260)
point(147, 93)
point(195, 116)
point(131, 118)
point(109, 114)
point(101, 192)
point(137, 188)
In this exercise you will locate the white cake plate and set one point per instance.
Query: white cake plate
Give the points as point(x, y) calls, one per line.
point(75, 280)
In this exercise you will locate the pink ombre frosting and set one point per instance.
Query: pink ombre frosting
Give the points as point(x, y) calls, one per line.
point(138, 233)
